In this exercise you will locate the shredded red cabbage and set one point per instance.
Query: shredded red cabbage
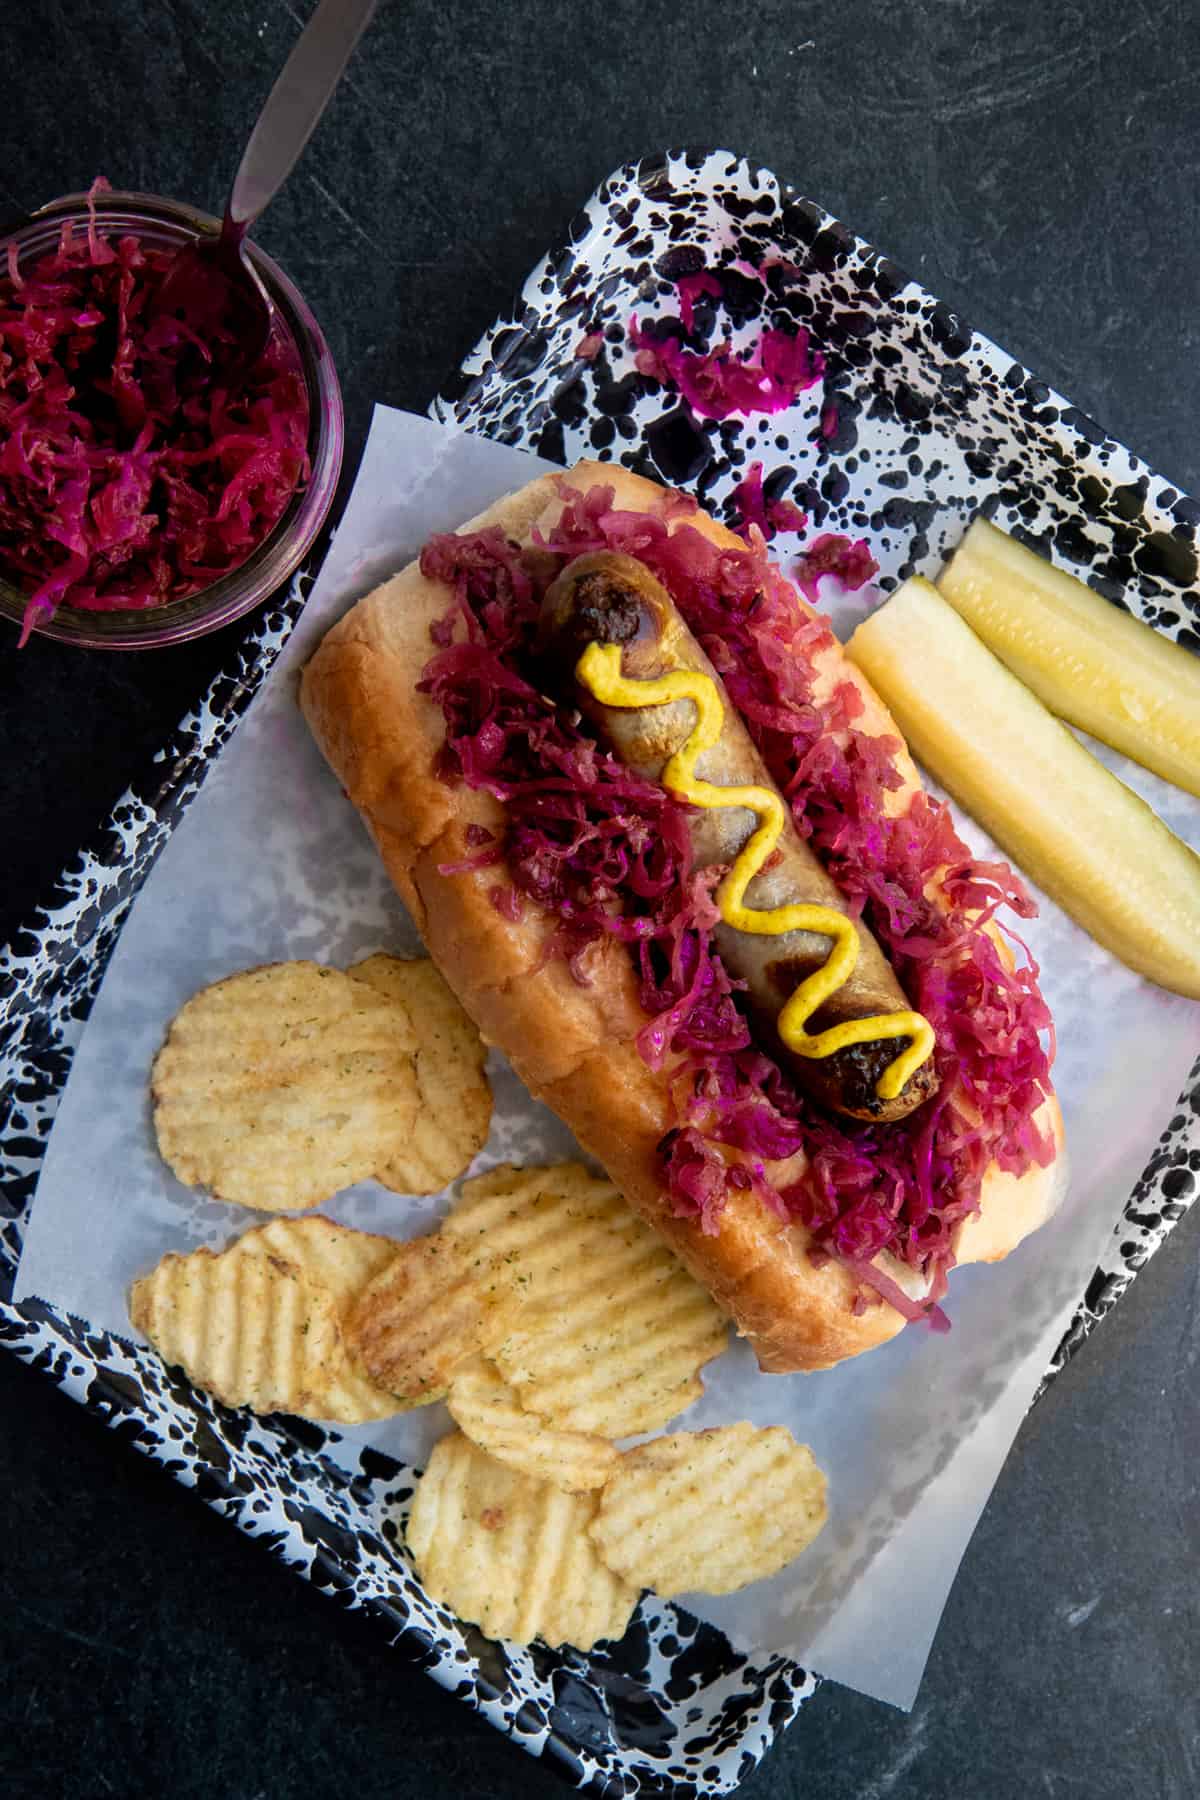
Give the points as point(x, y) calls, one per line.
point(607, 853)
point(753, 508)
point(690, 288)
point(131, 473)
point(721, 381)
point(850, 561)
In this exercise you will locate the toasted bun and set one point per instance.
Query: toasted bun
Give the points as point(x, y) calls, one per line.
point(574, 1046)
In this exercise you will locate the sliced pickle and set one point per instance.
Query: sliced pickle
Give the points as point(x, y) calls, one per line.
point(1091, 843)
point(1090, 662)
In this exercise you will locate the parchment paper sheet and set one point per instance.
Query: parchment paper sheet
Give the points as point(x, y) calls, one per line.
point(271, 862)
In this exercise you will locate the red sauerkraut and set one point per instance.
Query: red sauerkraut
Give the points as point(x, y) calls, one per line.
point(133, 470)
point(720, 382)
point(769, 516)
point(849, 560)
point(690, 288)
point(605, 852)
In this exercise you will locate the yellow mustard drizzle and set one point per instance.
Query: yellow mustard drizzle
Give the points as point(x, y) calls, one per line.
point(599, 671)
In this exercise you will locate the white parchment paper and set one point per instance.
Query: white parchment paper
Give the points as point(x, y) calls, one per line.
point(271, 862)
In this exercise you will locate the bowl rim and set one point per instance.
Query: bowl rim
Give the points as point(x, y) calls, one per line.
point(272, 563)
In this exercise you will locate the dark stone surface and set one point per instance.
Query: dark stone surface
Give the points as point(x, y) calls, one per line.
point(1038, 167)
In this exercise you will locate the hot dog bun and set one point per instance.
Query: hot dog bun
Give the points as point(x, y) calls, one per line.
point(574, 1046)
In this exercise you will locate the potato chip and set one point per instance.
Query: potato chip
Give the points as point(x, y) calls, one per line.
point(335, 1257)
point(496, 1201)
point(487, 1410)
point(261, 1329)
point(454, 1113)
point(710, 1511)
point(511, 1554)
point(603, 1330)
point(338, 1260)
point(279, 1086)
point(418, 1320)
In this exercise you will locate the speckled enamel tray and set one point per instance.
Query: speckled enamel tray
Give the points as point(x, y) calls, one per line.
point(933, 423)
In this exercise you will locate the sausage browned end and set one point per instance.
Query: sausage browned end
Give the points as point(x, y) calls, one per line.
point(609, 598)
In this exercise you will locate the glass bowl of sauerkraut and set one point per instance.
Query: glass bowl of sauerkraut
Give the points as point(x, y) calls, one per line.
point(154, 485)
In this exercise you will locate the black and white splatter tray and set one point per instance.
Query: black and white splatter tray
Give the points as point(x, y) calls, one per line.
point(921, 424)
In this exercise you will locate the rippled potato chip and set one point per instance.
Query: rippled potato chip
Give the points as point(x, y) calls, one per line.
point(337, 1257)
point(454, 1112)
point(418, 1320)
point(511, 1554)
point(709, 1511)
point(483, 1406)
point(339, 1260)
point(278, 1087)
point(601, 1328)
point(259, 1324)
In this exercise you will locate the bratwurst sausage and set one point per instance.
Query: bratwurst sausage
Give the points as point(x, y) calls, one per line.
point(609, 598)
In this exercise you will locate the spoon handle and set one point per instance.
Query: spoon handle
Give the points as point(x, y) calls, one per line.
point(293, 107)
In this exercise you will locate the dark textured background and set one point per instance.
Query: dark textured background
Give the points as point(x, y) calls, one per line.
point(1038, 167)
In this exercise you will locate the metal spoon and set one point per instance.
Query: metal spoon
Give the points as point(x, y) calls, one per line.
point(211, 282)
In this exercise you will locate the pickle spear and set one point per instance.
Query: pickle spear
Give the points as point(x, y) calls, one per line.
point(1091, 843)
point(1091, 663)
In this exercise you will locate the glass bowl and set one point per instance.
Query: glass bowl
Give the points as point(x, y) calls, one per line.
point(168, 224)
